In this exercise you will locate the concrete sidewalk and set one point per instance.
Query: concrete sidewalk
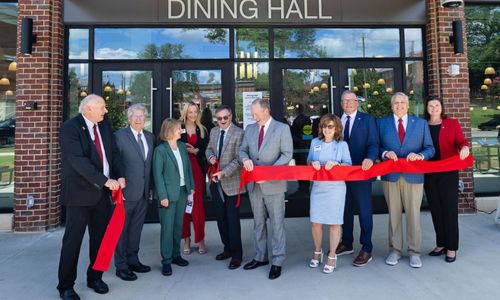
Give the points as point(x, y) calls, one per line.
point(28, 268)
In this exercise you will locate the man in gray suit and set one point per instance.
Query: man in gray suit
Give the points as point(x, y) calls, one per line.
point(223, 147)
point(136, 150)
point(267, 143)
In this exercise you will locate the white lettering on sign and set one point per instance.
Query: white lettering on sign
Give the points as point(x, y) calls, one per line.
point(246, 9)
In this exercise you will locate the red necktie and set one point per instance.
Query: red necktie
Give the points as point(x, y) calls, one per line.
point(401, 131)
point(261, 136)
point(97, 143)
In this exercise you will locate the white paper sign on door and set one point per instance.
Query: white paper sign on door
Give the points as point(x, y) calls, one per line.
point(248, 97)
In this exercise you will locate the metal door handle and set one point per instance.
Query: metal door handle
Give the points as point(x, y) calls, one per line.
point(169, 89)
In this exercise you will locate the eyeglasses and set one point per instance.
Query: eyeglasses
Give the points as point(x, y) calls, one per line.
point(349, 100)
point(225, 118)
point(328, 126)
point(138, 117)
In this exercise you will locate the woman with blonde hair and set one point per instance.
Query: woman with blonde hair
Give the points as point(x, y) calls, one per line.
point(327, 197)
point(196, 138)
point(173, 183)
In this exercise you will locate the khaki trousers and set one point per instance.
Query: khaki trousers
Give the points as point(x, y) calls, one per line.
point(401, 195)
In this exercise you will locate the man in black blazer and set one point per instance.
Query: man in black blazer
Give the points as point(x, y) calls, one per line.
point(135, 146)
point(90, 160)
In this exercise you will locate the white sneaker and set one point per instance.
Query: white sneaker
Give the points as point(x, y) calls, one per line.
point(392, 259)
point(415, 261)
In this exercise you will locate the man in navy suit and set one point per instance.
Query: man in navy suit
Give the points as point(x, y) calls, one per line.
point(404, 137)
point(360, 133)
point(89, 162)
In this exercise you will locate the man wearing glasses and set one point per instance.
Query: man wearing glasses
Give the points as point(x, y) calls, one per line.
point(222, 154)
point(136, 151)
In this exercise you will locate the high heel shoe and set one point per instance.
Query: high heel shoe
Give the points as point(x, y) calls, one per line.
point(314, 263)
point(437, 253)
point(327, 269)
point(450, 259)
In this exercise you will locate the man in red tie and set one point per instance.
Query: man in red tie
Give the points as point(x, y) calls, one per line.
point(267, 143)
point(404, 137)
point(90, 161)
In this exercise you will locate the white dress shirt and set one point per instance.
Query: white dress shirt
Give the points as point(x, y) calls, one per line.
point(178, 157)
point(143, 140)
point(405, 121)
point(90, 127)
point(343, 119)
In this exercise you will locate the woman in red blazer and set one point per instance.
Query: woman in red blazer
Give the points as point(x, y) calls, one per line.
point(441, 188)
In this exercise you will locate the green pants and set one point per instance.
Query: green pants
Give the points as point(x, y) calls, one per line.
point(171, 218)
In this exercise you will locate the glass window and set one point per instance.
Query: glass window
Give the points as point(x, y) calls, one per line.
point(8, 22)
point(251, 42)
point(78, 78)
point(415, 86)
point(252, 81)
point(374, 88)
point(483, 43)
point(413, 42)
point(121, 89)
point(78, 43)
point(335, 43)
point(161, 43)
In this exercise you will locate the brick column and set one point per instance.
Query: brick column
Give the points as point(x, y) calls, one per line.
point(453, 89)
point(39, 78)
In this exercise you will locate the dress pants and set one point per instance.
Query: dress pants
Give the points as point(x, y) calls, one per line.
point(359, 194)
point(441, 190)
point(127, 249)
point(228, 221)
point(401, 195)
point(77, 219)
point(272, 206)
point(171, 227)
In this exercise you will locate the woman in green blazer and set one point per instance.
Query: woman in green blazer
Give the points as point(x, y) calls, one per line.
point(173, 182)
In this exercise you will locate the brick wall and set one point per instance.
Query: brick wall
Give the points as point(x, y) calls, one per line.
point(453, 89)
point(39, 78)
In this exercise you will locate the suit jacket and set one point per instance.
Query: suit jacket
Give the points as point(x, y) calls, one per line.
point(136, 169)
point(229, 160)
point(166, 171)
point(363, 141)
point(201, 143)
point(451, 138)
point(82, 170)
point(417, 140)
point(276, 150)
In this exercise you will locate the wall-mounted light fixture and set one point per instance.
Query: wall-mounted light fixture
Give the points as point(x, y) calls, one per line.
point(27, 36)
point(457, 38)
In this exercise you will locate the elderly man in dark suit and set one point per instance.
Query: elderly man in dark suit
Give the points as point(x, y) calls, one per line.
point(267, 143)
point(360, 133)
point(223, 147)
point(136, 151)
point(90, 161)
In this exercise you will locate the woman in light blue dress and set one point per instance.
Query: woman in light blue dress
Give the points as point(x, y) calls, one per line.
point(327, 197)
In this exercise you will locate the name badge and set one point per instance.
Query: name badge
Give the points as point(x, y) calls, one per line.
point(317, 148)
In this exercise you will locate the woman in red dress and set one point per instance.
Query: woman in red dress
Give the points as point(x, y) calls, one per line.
point(196, 138)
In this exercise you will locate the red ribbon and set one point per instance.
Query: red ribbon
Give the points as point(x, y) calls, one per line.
point(212, 169)
point(112, 235)
point(351, 173)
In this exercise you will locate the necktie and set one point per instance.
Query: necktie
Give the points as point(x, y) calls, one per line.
point(401, 131)
point(141, 146)
point(221, 143)
point(346, 129)
point(261, 136)
point(97, 143)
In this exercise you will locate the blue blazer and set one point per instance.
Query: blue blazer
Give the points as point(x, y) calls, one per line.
point(417, 140)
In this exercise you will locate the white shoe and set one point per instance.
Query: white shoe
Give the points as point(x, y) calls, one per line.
point(415, 261)
point(327, 269)
point(392, 259)
point(314, 263)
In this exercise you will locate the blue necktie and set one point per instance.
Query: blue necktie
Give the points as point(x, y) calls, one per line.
point(346, 129)
point(221, 143)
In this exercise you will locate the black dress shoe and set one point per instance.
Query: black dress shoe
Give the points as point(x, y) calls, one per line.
point(234, 264)
point(98, 286)
point(450, 259)
point(69, 294)
point(275, 272)
point(140, 268)
point(166, 270)
point(437, 253)
point(255, 264)
point(181, 262)
point(222, 256)
point(126, 275)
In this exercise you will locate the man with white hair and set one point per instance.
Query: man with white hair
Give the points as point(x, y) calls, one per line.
point(135, 145)
point(89, 162)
